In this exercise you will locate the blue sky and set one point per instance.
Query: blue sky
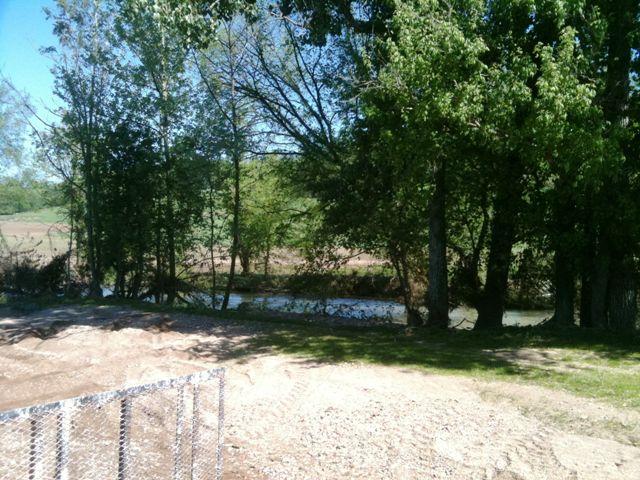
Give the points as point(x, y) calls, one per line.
point(23, 30)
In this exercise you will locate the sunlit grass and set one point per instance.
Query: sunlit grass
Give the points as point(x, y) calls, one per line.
point(46, 215)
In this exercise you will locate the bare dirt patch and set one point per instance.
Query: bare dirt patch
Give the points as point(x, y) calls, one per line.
point(46, 239)
point(292, 418)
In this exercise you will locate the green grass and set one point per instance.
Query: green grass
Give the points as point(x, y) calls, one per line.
point(472, 354)
point(46, 215)
point(591, 364)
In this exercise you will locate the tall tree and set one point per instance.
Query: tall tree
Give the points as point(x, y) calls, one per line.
point(160, 56)
point(434, 72)
point(12, 126)
point(220, 69)
point(83, 81)
point(610, 293)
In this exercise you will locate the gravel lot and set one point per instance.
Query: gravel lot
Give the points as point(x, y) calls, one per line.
point(292, 418)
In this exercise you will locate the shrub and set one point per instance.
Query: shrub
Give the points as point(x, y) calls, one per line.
point(24, 273)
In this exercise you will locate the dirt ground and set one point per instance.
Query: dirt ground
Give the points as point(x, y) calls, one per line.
point(292, 418)
point(46, 239)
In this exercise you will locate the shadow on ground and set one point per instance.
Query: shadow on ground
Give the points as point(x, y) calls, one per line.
point(245, 334)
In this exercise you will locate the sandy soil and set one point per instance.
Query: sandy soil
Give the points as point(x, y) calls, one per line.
point(290, 418)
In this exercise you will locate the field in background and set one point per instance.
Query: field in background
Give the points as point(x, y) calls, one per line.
point(52, 215)
point(44, 231)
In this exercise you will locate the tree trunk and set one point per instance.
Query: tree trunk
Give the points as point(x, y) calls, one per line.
point(623, 302)
point(245, 260)
point(267, 255)
point(136, 282)
point(565, 291)
point(613, 302)
point(171, 246)
point(398, 258)
point(235, 227)
point(599, 288)
point(119, 286)
point(169, 212)
point(95, 289)
point(67, 280)
point(236, 157)
point(159, 273)
point(585, 301)
point(438, 295)
point(491, 304)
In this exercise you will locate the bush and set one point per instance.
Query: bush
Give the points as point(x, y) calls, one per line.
point(25, 274)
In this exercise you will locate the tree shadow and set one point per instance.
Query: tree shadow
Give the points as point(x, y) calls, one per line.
point(241, 336)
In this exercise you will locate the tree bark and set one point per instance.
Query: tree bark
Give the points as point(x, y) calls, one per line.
point(95, 290)
point(398, 257)
point(491, 304)
point(212, 257)
point(169, 212)
point(171, 247)
point(438, 294)
point(236, 155)
point(565, 291)
point(235, 227)
point(267, 258)
point(245, 260)
point(492, 301)
point(159, 273)
point(599, 288)
point(613, 302)
point(585, 301)
point(623, 301)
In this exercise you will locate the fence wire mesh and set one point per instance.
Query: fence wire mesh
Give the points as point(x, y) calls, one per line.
point(171, 429)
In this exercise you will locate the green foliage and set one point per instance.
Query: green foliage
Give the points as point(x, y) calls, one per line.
point(272, 214)
point(25, 273)
point(12, 127)
point(196, 20)
point(443, 136)
point(26, 194)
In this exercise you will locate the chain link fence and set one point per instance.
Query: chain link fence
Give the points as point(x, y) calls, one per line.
point(171, 429)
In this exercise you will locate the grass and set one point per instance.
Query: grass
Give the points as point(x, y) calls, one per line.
point(591, 364)
point(46, 215)
point(473, 354)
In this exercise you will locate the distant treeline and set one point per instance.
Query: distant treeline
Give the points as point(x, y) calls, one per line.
point(26, 193)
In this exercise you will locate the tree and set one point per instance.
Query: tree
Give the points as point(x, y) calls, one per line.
point(12, 127)
point(220, 69)
point(84, 76)
point(434, 73)
point(129, 192)
point(608, 278)
point(161, 82)
point(270, 210)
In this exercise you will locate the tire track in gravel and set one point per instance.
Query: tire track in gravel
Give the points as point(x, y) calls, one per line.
point(535, 453)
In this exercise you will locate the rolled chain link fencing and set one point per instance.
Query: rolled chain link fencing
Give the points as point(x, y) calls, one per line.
point(171, 429)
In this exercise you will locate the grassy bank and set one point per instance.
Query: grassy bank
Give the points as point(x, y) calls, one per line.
point(591, 364)
point(50, 215)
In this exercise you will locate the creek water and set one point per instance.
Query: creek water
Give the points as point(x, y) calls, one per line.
point(363, 310)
